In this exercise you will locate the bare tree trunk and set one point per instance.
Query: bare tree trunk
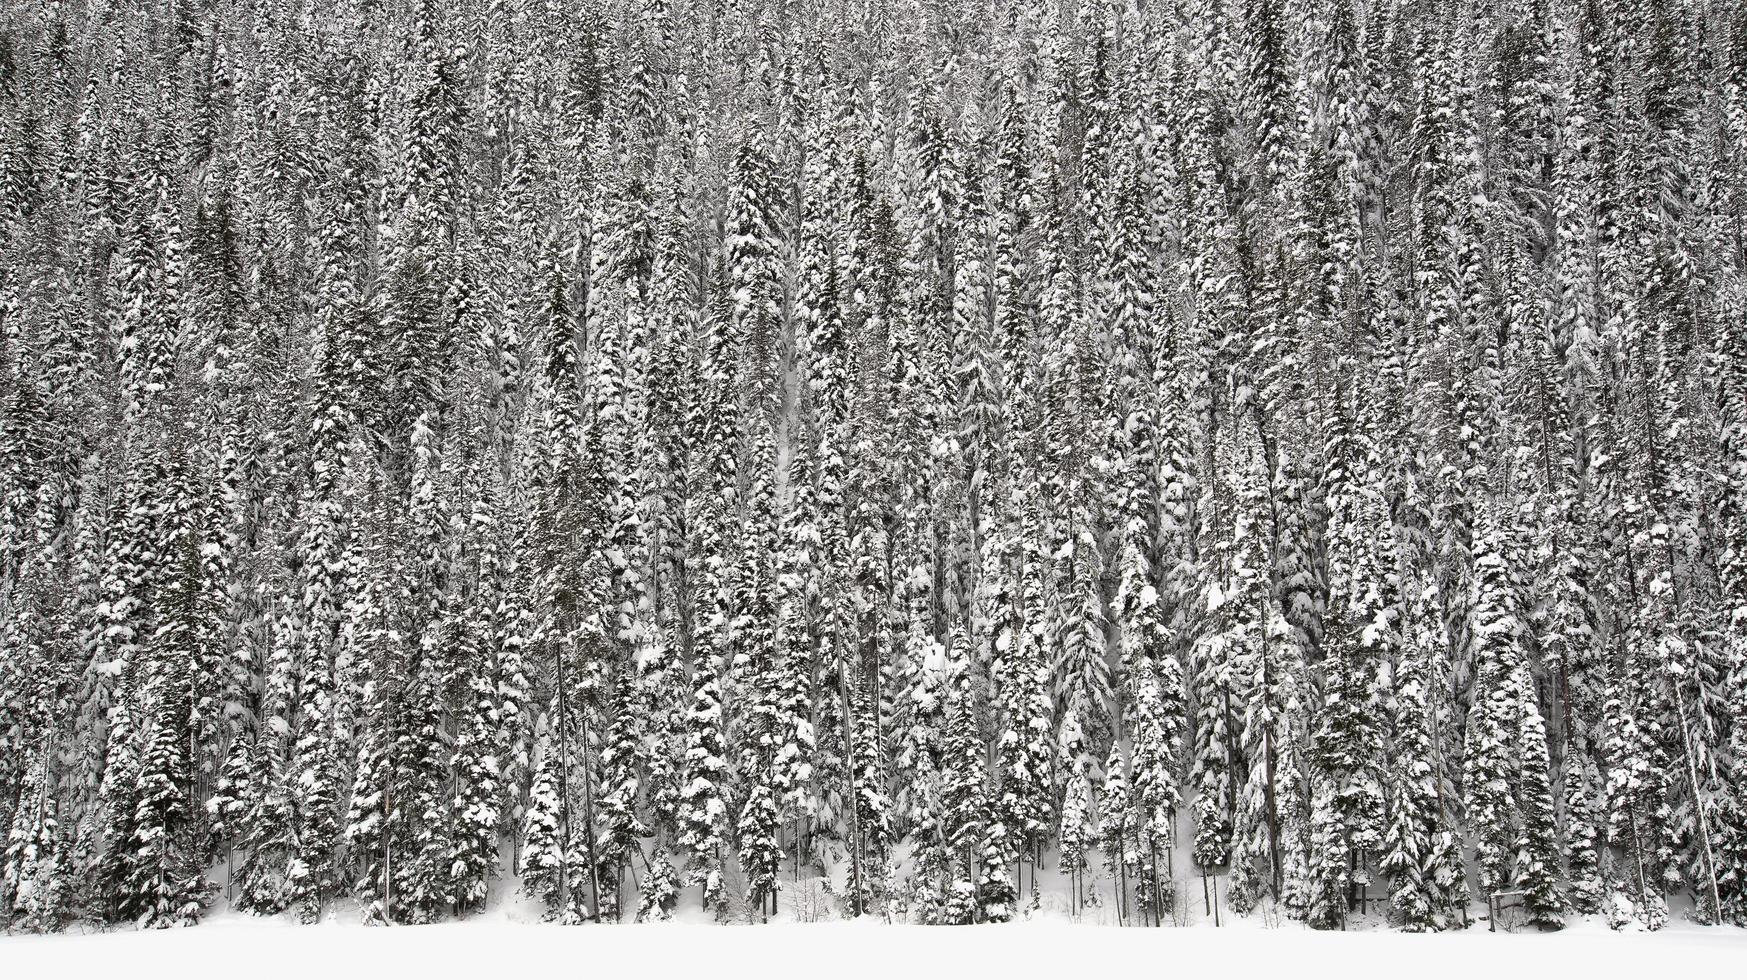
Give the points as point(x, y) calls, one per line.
point(594, 885)
point(563, 776)
point(857, 904)
point(1704, 824)
point(1122, 882)
point(1153, 869)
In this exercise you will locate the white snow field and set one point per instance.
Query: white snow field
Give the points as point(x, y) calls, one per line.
point(499, 946)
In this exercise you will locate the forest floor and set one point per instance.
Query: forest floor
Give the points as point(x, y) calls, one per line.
point(509, 942)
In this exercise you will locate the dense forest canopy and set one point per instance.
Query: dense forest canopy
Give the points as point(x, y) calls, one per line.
point(644, 452)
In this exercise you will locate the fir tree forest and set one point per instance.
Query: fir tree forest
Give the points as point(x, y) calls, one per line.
point(637, 456)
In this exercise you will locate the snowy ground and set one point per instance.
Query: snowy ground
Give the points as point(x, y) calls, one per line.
point(500, 945)
point(1053, 942)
